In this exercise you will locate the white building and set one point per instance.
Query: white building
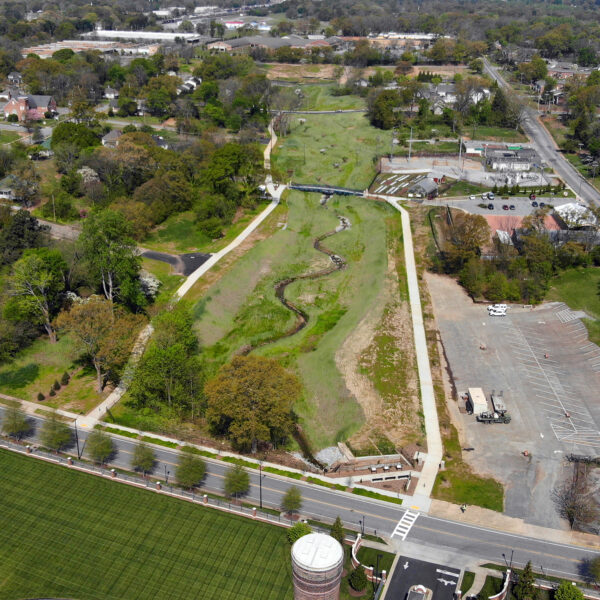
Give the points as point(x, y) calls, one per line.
point(575, 216)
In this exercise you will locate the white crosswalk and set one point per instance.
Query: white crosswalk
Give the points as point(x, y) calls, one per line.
point(405, 524)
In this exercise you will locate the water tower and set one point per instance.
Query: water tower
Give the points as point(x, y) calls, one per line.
point(317, 562)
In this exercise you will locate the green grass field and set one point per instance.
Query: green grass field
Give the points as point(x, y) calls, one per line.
point(578, 289)
point(319, 97)
point(180, 233)
point(7, 137)
point(483, 132)
point(71, 535)
point(348, 141)
point(169, 281)
point(242, 308)
point(37, 367)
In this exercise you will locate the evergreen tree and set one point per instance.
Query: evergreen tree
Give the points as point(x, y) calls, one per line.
point(358, 579)
point(337, 531)
point(524, 589)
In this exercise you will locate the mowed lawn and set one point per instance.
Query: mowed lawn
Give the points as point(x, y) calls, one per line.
point(335, 149)
point(71, 535)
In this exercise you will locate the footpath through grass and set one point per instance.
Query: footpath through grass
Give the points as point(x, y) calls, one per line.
point(71, 535)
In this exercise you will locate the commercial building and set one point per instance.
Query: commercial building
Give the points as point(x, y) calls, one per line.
point(154, 36)
point(47, 50)
point(524, 159)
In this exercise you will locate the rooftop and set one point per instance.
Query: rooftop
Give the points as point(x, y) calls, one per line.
point(317, 552)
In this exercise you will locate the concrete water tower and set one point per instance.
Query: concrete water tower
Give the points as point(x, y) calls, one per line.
point(317, 562)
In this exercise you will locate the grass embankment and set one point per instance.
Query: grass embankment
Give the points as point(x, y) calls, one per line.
point(467, 581)
point(180, 233)
point(7, 137)
point(578, 289)
point(241, 309)
point(169, 282)
point(492, 133)
point(36, 368)
point(71, 535)
point(334, 149)
point(457, 483)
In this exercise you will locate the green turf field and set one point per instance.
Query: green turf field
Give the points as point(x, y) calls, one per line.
point(71, 535)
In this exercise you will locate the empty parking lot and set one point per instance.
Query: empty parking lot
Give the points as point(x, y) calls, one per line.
point(549, 373)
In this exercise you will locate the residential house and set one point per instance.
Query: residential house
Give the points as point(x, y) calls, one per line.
point(15, 78)
point(111, 93)
point(160, 141)
point(6, 188)
point(189, 85)
point(30, 107)
point(111, 139)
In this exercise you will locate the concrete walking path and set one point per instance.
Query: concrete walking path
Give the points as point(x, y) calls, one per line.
point(432, 427)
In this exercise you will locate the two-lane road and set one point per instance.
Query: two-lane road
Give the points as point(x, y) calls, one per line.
point(546, 147)
point(462, 540)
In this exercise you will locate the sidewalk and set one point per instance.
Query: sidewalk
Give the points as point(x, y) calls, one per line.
point(432, 427)
point(490, 519)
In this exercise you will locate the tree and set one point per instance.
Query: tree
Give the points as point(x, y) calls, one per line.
point(299, 530)
point(358, 579)
point(111, 252)
point(169, 374)
point(55, 434)
point(337, 531)
point(190, 470)
point(143, 458)
point(15, 423)
point(251, 400)
point(292, 500)
point(100, 446)
point(37, 284)
point(567, 591)
point(524, 588)
point(575, 504)
point(102, 333)
point(18, 232)
point(237, 481)
point(594, 568)
point(383, 109)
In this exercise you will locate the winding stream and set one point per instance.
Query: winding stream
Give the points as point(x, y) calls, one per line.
point(302, 317)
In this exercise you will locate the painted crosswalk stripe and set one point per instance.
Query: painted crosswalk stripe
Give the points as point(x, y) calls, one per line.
point(405, 524)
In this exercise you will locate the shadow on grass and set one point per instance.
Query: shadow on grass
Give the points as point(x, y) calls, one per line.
point(16, 379)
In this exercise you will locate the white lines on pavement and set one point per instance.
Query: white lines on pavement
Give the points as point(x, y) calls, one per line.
point(405, 524)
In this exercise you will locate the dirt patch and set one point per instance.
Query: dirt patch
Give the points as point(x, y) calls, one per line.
point(378, 365)
point(284, 71)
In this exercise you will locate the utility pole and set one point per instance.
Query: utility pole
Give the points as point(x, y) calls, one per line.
point(260, 481)
point(77, 441)
point(460, 154)
point(410, 145)
point(53, 207)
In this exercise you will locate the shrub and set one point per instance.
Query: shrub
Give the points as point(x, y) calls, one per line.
point(56, 385)
point(297, 531)
point(51, 392)
point(358, 579)
point(41, 397)
point(12, 118)
point(64, 380)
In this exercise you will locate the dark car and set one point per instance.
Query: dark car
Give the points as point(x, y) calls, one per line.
point(490, 206)
point(542, 204)
point(505, 207)
point(512, 207)
point(534, 203)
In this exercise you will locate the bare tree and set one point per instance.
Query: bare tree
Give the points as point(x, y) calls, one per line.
point(575, 502)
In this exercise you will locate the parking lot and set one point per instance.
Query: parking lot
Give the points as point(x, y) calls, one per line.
point(440, 579)
point(549, 373)
point(522, 205)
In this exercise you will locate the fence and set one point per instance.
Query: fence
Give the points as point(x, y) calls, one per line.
point(158, 486)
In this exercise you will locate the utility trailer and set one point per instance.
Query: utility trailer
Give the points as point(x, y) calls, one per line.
point(493, 417)
point(498, 403)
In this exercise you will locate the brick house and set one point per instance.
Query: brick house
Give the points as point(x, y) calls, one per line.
point(29, 107)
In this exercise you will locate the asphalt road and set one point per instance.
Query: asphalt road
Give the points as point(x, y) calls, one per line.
point(462, 540)
point(546, 147)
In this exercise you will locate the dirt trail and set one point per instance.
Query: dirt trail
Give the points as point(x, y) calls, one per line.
point(280, 287)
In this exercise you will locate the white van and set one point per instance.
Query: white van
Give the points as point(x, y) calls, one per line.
point(495, 312)
point(498, 307)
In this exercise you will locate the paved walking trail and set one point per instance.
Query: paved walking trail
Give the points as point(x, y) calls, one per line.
point(432, 427)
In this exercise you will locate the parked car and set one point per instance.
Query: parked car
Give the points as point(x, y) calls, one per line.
point(472, 197)
point(505, 207)
point(497, 313)
point(490, 206)
point(534, 203)
point(542, 204)
point(490, 196)
point(497, 307)
point(512, 207)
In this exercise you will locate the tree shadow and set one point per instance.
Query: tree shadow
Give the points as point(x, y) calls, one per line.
point(16, 379)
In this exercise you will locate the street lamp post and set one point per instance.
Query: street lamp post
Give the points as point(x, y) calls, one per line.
point(77, 440)
point(167, 473)
point(361, 522)
point(260, 481)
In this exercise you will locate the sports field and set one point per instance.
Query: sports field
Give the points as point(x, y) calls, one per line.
point(71, 535)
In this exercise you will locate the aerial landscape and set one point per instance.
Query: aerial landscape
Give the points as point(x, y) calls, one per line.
point(299, 300)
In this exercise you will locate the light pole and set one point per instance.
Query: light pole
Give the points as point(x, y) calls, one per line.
point(167, 473)
point(77, 441)
point(361, 522)
point(260, 481)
